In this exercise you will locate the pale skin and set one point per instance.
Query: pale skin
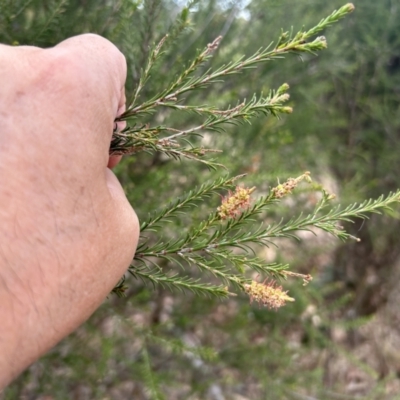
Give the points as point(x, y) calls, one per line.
point(67, 231)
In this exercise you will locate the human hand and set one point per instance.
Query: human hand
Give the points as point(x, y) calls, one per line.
point(67, 230)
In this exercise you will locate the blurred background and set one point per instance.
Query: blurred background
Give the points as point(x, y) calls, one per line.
point(341, 338)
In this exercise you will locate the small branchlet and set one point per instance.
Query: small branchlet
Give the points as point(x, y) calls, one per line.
point(286, 188)
point(120, 289)
point(144, 77)
point(307, 278)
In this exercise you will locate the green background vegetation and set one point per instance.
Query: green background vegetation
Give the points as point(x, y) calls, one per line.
point(339, 340)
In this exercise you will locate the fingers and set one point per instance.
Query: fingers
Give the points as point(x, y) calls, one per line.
point(113, 161)
point(99, 72)
point(99, 56)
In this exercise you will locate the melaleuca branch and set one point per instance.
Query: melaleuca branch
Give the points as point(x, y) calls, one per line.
point(186, 82)
point(182, 283)
point(212, 245)
point(145, 138)
point(151, 139)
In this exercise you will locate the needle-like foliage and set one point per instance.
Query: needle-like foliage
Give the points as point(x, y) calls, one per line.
point(173, 142)
point(217, 254)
